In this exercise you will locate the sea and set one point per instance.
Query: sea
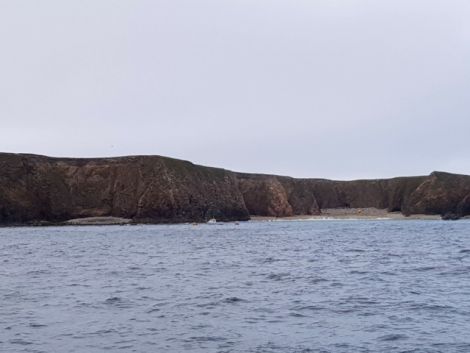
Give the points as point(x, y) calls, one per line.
point(284, 286)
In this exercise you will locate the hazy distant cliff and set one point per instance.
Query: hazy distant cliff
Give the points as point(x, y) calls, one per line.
point(159, 189)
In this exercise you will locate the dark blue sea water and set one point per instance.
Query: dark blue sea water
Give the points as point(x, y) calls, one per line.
point(317, 286)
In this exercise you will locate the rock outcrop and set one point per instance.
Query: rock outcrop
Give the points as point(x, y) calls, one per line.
point(158, 189)
point(442, 193)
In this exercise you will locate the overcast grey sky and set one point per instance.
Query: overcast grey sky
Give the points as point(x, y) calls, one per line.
point(308, 88)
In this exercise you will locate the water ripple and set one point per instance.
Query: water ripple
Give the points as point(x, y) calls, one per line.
point(279, 287)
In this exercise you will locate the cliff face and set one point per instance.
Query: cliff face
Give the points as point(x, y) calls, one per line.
point(283, 196)
point(158, 189)
point(154, 189)
point(442, 193)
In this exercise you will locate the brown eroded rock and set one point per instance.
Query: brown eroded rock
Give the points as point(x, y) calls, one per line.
point(142, 188)
point(158, 189)
point(265, 196)
point(441, 193)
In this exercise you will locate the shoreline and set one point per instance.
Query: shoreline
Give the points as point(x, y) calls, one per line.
point(351, 214)
point(326, 215)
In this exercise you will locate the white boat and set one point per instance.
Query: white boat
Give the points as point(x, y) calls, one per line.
point(212, 221)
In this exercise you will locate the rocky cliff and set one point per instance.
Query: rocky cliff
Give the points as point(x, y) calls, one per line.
point(142, 188)
point(440, 193)
point(159, 189)
point(284, 196)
